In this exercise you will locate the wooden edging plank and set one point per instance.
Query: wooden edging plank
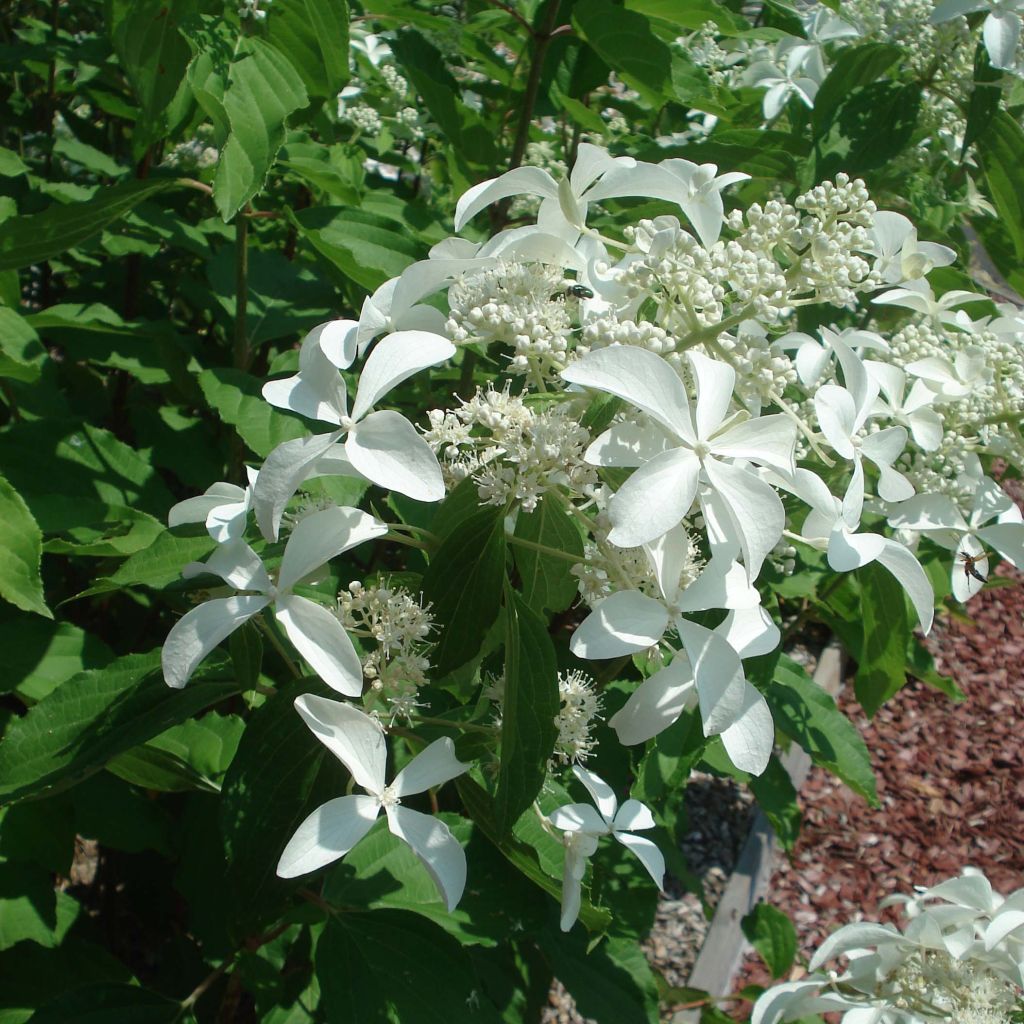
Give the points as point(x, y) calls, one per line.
point(725, 945)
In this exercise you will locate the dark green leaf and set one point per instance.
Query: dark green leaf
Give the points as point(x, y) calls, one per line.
point(985, 96)
point(775, 795)
point(41, 655)
point(808, 715)
point(856, 66)
point(691, 14)
point(93, 717)
point(1000, 152)
point(40, 236)
point(246, 647)
point(882, 659)
point(101, 1004)
point(548, 582)
point(313, 35)
point(20, 351)
point(772, 934)
point(529, 709)
point(921, 665)
point(463, 583)
point(20, 552)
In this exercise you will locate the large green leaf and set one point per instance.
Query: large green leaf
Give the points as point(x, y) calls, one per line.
point(93, 717)
point(39, 236)
point(263, 90)
point(463, 583)
point(690, 15)
point(548, 582)
point(882, 658)
point(21, 546)
point(772, 934)
point(528, 710)
point(1000, 150)
point(808, 715)
point(127, 1004)
point(20, 351)
point(855, 66)
point(395, 966)
point(41, 655)
point(30, 909)
point(313, 35)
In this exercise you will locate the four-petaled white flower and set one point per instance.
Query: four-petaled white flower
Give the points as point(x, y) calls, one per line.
point(1001, 30)
point(582, 826)
point(224, 508)
point(382, 447)
point(679, 449)
point(797, 70)
point(918, 296)
point(899, 256)
point(357, 740)
point(316, 633)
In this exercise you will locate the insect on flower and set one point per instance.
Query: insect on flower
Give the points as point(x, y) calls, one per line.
point(574, 291)
point(970, 569)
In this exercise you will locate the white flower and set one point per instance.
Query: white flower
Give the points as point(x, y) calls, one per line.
point(581, 827)
point(918, 296)
point(315, 632)
point(1001, 30)
point(335, 827)
point(813, 357)
point(899, 256)
point(951, 381)
point(373, 46)
point(796, 70)
point(673, 459)
point(382, 447)
point(224, 508)
point(912, 410)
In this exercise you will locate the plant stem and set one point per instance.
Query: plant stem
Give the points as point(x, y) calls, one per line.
point(275, 642)
point(242, 354)
point(543, 549)
point(409, 542)
point(444, 723)
point(541, 41)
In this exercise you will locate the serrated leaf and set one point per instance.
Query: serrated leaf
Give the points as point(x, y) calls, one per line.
point(263, 90)
point(36, 237)
point(92, 718)
point(313, 35)
point(21, 546)
point(40, 654)
point(808, 715)
point(235, 396)
point(528, 710)
point(463, 583)
point(547, 581)
point(772, 934)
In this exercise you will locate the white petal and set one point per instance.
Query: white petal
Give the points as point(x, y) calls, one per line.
point(633, 816)
point(926, 428)
point(425, 277)
point(718, 673)
point(884, 447)
point(316, 391)
point(722, 584)
point(837, 417)
point(848, 551)
point(755, 511)
point(322, 536)
point(715, 383)
point(520, 181)
point(647, 853)
point(591, 162)
point(321, 639)
point(236, 563)
point(654, 499)
point(227, 522)
point(327, 834)
point(600, 792)
point(656, 703)
point(643, 179)
point(749, 739)
point(354, 738)
point(912, 578)
point(622, 623)
point(337, 341)
point(640, 377)
point(854, 936)
point(626, 444)
point(964, 584)
point(948, 9)
point(1001, 32)
point(578, 818)
point(668, 556)
point(195, 510)
point(198, 631)
point(395, 359)
point(577, 851)
point(811, 360)
point(766, 440)
point(438, 850)
point(386, 449)
point(751, 632)
point(431, 767)
point(889, 230)
point(928, 512)
point(1007, 539)
point(280, 476)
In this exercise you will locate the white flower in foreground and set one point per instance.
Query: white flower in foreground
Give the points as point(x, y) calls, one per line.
point(814, 357)
point(224, 508)
point(951, 381)
point(832, 527)
point(899, 256)
point(317, 635)
point(918, 296)
point(912, 410)
point(334, 828)
point(680, 448)
point(382, 447)
point(581, 827)
point(937, 517)
point(1001, 30)
point(796, 70)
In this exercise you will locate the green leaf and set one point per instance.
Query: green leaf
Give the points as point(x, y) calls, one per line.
point(39, 236)
point(624, 41)
point(152, 53)
point(855, 66)
point(548, 582)
point(882, 659)
point(1000, 153)
point(772, 934)
point(984, 102)
point(313, 35)
point(921, 665)
point(236, 398)
point(92, 718)
point(263, 89)
point(127, 1004)
point(529, 708)
point(20, 350)
point(775, 795)
point(30, 909)
point(463, 583)
point(20, 553)
point(366, 247)
point(395, 966)
point(40, 655)
point(808, 715)
point(11, 165)
point(246, 646)
point(264, 798)
point(691, 14)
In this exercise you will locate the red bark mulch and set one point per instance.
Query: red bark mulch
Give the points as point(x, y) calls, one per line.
point(950, 785)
